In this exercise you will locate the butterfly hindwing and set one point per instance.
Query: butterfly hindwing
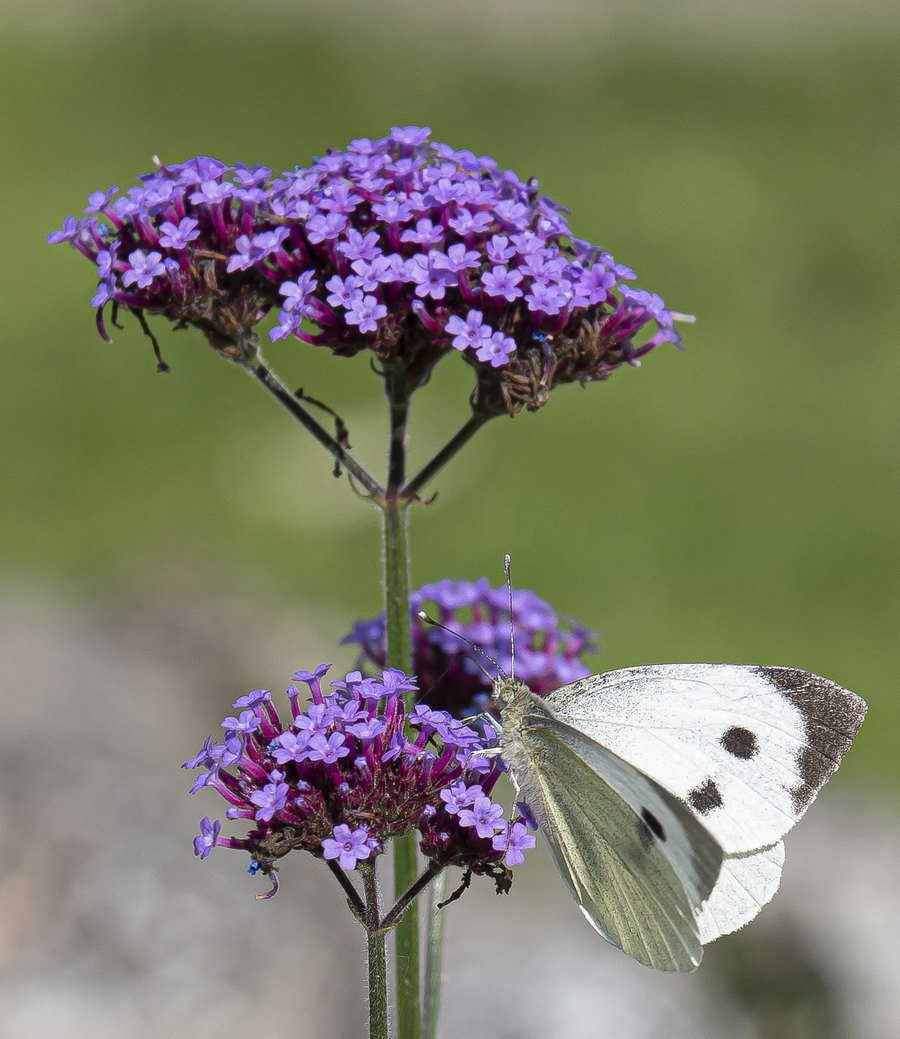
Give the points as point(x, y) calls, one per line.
point(746, 883)
point(637, 861)
point(747, 748)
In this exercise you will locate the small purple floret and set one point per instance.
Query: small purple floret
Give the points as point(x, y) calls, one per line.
point(180, 236)
point(514, 841)
point(272, 798)
point(348, 846)
point(460, 796)
point(145, 267)
point(484, 815)
point(206, 840)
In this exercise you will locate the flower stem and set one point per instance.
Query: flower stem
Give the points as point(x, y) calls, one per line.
point(396, 584)
point(396, 605)
point(353, 900)
point(397, 389)
point(434, 956)
point(405, 858)
point(405, 901)
point(445, 454)
point(377, 958)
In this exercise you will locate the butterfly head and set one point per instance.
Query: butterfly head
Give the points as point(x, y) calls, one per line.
point(507, 691)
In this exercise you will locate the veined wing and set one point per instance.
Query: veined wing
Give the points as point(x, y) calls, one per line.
point(637, 861)
point(746, 883)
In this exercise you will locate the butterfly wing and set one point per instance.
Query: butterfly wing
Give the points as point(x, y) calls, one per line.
point(636, 860)
point(746, 748)
point(746, 883)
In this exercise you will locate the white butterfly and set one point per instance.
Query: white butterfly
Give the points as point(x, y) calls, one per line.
point(664, 791)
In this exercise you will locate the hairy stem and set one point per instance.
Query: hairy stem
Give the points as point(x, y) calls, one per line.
point(396, 548)
point(396, 605)
point(396, 584)
point(252, 360)
point(408, 897)
point(397, 389)
point(353, 899)
point(434, 956)
point(377, 958)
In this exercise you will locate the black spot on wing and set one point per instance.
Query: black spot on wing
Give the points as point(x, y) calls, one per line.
point(832, 716)
point(740, 742)
point(653, 824)
point(705, 797)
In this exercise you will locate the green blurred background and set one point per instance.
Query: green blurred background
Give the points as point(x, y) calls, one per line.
point(737, 501)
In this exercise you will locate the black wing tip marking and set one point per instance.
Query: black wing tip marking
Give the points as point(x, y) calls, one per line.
point(832, 717)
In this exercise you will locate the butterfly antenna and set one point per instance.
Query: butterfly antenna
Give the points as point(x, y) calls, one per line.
point(512, 640)
point(423, 616)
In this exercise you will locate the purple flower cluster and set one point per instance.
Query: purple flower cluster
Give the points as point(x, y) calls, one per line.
point(401, 245)
point(548, 655)
point(352, 770)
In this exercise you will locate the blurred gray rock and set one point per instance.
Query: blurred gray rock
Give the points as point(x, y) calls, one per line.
point(109, 926)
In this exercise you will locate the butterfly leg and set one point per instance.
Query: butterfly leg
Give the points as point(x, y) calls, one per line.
point(482, 716)
point(488, 753)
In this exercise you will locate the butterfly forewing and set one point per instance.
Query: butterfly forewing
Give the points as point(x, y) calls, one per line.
point(747, 748)
point(637, 861)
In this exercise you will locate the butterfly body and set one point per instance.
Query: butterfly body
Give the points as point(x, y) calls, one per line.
point(664, 791)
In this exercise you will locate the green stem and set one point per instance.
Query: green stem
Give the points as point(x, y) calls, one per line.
point(252, 360)
point(396, 605)
point(434, 956)
point(377, 958)
point(402, 904)
point(353, 900)
point(397, 390)
point(396, 582)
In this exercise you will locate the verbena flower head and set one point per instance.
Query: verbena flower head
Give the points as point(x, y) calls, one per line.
point(548, 653)
point(350, 770)
point(402, 246)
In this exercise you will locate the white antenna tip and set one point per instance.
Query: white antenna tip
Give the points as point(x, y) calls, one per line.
point(422, 615)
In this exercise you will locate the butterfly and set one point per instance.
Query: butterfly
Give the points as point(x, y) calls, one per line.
point(664, 791)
